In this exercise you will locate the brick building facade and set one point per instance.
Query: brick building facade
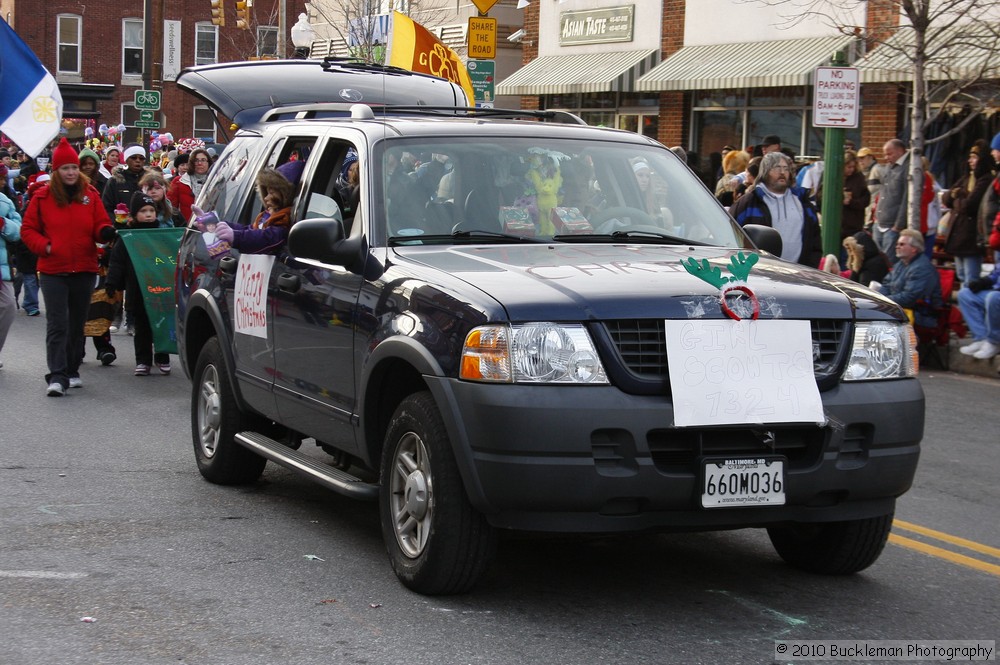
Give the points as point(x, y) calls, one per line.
point(96, 53)
point(715, 86)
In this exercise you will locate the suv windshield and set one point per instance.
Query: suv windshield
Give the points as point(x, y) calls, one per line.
point(453, 189)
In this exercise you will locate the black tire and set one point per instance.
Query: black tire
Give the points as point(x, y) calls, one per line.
point(834, 548)
point(215, 419)
point(437, 542)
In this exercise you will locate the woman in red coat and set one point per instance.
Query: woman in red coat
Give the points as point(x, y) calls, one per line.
point(184, 190)
point(62, 226)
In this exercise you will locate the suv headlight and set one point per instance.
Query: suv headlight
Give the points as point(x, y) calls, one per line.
point(882, 350)
point(531, 353)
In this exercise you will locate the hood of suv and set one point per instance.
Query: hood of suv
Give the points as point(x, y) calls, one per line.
point(552, 281)
point(244, 91)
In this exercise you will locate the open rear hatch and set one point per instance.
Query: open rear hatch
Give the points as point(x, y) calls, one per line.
point(245, 91)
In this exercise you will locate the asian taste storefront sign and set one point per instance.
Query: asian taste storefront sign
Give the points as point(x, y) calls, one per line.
point(597, 26)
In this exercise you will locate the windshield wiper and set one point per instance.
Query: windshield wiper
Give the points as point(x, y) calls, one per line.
point(464, 234)
point(494, 234)
point(654, 236)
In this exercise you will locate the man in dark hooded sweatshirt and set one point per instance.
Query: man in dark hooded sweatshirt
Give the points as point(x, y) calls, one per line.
point(776, 202)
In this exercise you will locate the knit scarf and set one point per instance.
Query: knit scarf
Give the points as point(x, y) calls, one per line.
point(279, 218)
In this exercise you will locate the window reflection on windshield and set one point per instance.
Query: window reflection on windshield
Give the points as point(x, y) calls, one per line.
point(537, 188)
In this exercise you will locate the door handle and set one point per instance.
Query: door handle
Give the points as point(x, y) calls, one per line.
point(229, 265)
point(289, 283)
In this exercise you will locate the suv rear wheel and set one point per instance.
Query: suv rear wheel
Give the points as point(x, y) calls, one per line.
point(215, 419)
point(834, 548)
point(437, 542)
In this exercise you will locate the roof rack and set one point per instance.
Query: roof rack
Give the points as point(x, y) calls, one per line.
point(478, 112)
point(344, 109)
point(308, 111)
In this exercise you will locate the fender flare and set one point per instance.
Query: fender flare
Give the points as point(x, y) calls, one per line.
point(202, 300)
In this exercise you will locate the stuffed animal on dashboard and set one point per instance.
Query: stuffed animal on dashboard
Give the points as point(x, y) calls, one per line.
point(547, 180)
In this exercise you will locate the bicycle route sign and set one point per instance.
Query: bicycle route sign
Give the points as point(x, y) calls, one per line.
point(147, 100)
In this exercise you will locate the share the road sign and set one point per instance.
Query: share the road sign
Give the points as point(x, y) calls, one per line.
point(836, 97)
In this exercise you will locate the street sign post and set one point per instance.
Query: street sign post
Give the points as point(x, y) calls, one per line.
point(484, 6)
point(482, 37)
point(836, 100)
point(836, 97)
point(482, 74)
point(147, 100)
point(147, 124)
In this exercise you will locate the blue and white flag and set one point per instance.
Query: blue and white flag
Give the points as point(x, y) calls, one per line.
point(30, 103)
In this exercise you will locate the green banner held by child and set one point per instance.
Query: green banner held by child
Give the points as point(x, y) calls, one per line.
point(154, 259)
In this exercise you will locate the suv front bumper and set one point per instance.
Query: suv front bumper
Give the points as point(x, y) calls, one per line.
point(595, 459)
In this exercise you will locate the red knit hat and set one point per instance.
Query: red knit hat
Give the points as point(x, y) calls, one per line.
point(64, 154)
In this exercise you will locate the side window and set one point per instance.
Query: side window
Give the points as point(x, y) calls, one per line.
point(334, 192)
point(226, 181)
point(267, 41)
point(69, 28)
point(132, 47)
point(204, 124)
point(206, 44)
point(292, 149)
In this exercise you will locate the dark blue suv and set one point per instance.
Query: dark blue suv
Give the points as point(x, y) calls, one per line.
point(514, 321)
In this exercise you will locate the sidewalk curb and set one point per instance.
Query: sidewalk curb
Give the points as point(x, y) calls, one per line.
point(963, 364)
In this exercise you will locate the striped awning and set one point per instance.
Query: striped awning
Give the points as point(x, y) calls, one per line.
point(960, 52)
point(584, 72)
point(762, 64)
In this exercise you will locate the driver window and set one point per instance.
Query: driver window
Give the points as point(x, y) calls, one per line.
point(334, 191)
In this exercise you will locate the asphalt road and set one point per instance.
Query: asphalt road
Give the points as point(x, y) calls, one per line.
point(103, 515)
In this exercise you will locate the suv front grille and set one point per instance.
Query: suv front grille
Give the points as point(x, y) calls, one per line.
point(678, 450)
point(642, 348)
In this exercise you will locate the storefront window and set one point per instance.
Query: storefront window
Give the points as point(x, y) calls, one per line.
point(598, 100)
point(646, 124)
point(571, 101)
point(791, 96)
point(720, 98)
point(714, 129)
point(644, 99)
point(816, 137)
point(786, 123)
point(599, 118)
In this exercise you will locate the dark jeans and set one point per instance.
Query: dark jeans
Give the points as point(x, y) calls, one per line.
point(67, 301)
point(143, 340)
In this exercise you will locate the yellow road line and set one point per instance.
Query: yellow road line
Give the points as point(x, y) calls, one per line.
point(942, 553)
point(948, 538)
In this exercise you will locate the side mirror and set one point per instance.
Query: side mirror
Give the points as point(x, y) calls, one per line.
point(764, 237)
point(322, 240)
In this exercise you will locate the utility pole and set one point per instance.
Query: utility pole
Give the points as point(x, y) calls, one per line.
point(152, 51)
point(282, 28)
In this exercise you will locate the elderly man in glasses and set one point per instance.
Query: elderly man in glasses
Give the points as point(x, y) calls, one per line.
point(913, 283)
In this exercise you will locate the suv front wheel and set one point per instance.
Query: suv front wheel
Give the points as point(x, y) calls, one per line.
point(215, 419)
point(437, 542)
point(832, 548)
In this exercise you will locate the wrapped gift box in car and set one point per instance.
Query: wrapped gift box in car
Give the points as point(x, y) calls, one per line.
point(570, 221)
point(517, 221)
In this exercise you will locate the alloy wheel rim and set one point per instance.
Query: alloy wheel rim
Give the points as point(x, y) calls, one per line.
point(411, 495)
point(209, 412)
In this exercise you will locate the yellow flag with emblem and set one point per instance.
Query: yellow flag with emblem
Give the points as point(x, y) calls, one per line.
point(413, 47)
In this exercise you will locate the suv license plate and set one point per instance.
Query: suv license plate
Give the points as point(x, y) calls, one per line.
point(749, 481)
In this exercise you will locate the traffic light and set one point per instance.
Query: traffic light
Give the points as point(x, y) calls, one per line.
point(218, 16)
point(242, 15)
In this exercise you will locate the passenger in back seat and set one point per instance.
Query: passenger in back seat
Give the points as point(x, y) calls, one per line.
point(269, 231)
